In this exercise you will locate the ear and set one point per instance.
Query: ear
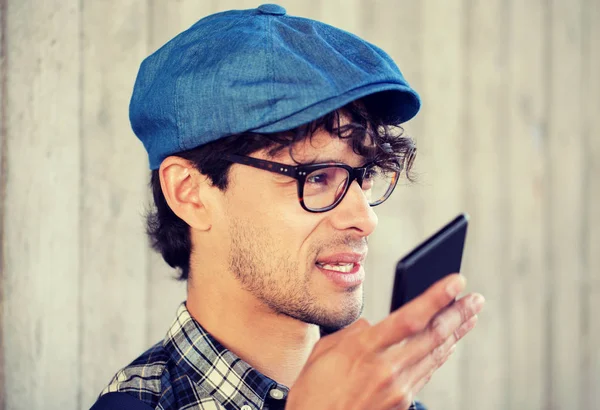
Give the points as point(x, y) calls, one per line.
point(186, 190)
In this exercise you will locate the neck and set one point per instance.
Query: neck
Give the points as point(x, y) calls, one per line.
point(276, 345)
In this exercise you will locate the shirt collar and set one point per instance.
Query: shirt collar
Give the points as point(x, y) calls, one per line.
point(211, 366)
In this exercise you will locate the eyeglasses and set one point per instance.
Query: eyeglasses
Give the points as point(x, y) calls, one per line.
point(321, 187)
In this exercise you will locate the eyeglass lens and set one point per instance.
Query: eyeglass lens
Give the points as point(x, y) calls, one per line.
point(324, 187)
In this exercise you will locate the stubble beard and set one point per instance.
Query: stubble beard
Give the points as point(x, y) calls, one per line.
point(276, 280)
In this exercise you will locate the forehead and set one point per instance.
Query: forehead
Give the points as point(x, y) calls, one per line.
point(323, 146)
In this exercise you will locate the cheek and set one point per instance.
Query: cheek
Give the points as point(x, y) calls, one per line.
point(293, 230)
point(288, 230)
point(276, 212)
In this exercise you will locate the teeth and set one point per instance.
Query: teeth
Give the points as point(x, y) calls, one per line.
point(342, 267)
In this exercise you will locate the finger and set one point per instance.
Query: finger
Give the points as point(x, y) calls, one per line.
point(444, 330)
point(438, 356)
point(449, 324)
point(398, 396)
point(418, 386)
point(414, 316)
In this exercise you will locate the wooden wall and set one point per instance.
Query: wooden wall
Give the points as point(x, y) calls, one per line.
point(509, 132)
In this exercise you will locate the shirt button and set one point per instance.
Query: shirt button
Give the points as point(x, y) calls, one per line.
point(276, 394)
point(246, 407)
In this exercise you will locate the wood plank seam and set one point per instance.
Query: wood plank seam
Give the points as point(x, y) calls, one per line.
point(585, 289)
point(547, 199)
point(505, 53)
point(467, 126)
point(80, 301)
point(3, 169)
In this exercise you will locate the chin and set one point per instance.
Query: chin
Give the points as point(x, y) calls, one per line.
point(337, 318)
point(337, 323)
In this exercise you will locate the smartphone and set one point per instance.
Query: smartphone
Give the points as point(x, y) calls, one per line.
point(438, 256)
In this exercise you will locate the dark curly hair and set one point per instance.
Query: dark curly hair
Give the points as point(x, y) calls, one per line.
point(370, 137)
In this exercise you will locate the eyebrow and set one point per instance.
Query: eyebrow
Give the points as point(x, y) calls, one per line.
point(338, 160)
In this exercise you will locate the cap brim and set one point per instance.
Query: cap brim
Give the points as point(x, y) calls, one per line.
point(393, 103)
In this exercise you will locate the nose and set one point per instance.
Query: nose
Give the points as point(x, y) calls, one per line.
point(354, 212)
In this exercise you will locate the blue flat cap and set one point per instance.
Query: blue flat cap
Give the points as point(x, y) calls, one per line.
point(258, 70)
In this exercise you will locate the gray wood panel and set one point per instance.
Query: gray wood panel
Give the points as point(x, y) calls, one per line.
point(590, 286)
point(565, 200)
point(114, 253)
point(222, 5)
point(484, 158)
point(345, 14)
point(2, 193)
point(441, 163)
point(41, 231)
point(524, 185)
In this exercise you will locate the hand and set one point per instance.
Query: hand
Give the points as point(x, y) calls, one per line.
point(383, 366)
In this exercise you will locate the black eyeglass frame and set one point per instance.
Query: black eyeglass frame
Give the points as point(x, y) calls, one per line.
point(300, 172)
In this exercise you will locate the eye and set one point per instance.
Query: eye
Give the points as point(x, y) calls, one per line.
point(325, 180)
point(318, 178)
point(372, 173)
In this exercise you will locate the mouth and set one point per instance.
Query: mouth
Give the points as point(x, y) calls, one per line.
point(344, 270)
point(342, 267)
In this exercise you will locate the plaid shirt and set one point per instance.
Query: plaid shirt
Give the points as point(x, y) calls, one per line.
point(189, 369)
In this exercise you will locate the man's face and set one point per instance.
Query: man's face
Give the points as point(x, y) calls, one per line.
point(308, 266)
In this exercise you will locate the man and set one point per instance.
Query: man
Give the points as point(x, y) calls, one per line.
point(270, 139)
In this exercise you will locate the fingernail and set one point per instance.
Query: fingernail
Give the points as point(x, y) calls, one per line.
point(455, 286)
point(477, 301)
point(471, 323)
point(451, 350)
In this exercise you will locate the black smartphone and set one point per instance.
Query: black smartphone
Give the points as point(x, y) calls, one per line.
point(438, 256)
